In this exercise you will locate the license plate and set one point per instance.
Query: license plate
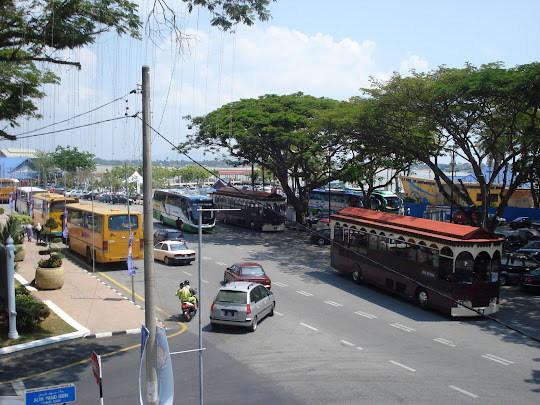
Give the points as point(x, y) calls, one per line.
point(228, 313)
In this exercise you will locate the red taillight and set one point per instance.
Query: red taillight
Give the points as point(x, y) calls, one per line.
point(212, 306)
point(528, 280)
point(105, 246)
point(248, 310)
point(141, 244)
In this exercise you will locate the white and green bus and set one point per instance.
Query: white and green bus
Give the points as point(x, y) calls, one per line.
point(176, 209)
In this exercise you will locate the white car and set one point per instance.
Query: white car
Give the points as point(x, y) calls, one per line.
point(172, 252)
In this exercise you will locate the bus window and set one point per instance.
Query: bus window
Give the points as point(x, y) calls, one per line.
point(481, 268)
point(464, 268)
point(338, 233)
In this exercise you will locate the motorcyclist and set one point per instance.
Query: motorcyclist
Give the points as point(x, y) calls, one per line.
point(185, 295)
point(191, 289)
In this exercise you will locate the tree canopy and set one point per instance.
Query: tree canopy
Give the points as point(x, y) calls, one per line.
point(287, 135)
point(488, 116)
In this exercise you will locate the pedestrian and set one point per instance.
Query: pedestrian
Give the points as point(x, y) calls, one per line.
point(29, 232)
point(38, 232)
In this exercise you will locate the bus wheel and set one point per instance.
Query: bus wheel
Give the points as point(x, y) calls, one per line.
point(422, 298)
point(502, 279)
point(88, 256)
point(179, 225)
point(357, 275)
point(161, 220)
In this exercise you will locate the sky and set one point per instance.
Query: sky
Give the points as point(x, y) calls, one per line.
point(321, 48)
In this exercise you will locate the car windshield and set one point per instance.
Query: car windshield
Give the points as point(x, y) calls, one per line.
point(235, 297)
point(252, 271)
point(178, 246)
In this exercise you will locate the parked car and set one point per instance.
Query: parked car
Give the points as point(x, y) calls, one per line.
point(500, 220)
point(241, 303)
point(172, 252)
point(521, 222)
point(514, 266)
point(531, 280)
point(249, 271)
point(459, 218)
point(532, 249)
point(89, 196)
point(168, 234)
point(105, 198)
point(120, 199)
point(321, 237)
point(535, 224)
point(513, 240)
point(316, 218)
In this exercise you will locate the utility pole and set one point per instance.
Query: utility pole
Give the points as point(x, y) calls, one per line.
point(149, 277)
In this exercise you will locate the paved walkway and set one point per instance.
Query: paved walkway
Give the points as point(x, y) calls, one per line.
point(89, 305)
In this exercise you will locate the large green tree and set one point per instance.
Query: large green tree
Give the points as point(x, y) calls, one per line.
point(488, 116)
point(285, 134)
point(33, 32)
point(71, 160)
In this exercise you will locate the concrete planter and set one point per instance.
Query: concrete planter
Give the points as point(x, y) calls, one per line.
point(21, 254)
point(48, 278)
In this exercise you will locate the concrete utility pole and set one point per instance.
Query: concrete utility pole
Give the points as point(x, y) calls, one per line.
point(149, 277)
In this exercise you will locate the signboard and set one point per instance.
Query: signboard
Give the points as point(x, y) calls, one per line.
point(59, 394)
point(96, 366)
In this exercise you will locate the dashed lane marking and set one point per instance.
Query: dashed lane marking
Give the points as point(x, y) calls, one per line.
point(445, 342)
point(463, 391)
point(402, 365)
point(497, 359)
point(305, 293)
point(309, 327)
point(402, 327)
point(334, 304)
point(365, 315)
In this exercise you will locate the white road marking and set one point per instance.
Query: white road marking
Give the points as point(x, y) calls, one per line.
point(497, 359)
point(335, 304)
point(463, 391)
point(305, 293)
point(279, 284)
point(307, 326)
point(445, 342)
point(365, 314)
point(206, 258)
point(402, 365)
point(221, 264)
point(402, 327)
point(278, 313)
point(189, 274)
point(347, 343)
point(204, 281)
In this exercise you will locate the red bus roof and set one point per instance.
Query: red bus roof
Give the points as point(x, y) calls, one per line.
point(420, 226)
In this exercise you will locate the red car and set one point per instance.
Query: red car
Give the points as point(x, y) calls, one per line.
point(250, 271)
point(459, 218)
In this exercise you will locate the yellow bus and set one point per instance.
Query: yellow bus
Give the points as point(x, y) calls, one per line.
point(7, 186)
point(105, 231)
point(50, 205)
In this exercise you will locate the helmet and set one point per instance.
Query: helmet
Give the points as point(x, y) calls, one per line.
point(186, 282)
point(181, 285)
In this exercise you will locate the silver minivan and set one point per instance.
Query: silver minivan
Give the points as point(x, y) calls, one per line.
point(242, 303)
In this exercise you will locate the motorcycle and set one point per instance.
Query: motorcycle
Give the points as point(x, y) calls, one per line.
point(189, 309)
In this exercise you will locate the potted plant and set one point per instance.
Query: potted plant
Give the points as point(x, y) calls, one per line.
point(50, 274)
point(14, 229)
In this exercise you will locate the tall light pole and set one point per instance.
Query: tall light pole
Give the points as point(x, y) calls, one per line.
point(149, 277)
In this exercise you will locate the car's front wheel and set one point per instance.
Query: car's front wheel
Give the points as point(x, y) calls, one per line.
point(503, 280)
point(166, 260)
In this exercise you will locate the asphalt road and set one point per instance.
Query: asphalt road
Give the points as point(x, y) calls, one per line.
point(330, 342)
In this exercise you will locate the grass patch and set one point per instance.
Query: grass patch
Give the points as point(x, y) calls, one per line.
point(52, 326)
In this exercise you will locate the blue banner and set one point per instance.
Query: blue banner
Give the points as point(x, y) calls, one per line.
point(11, 200)
point(65, 233)
point(164, 369)
point(130, 263)
point(31, 208)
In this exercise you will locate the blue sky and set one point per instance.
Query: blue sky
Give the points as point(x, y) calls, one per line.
point(322, 48)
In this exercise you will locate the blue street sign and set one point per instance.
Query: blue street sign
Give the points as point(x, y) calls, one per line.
point(59, 394)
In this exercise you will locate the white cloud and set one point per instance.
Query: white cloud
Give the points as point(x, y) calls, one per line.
point(413, 62)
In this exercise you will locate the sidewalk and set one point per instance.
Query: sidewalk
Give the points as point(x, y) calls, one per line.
point(84, 302)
